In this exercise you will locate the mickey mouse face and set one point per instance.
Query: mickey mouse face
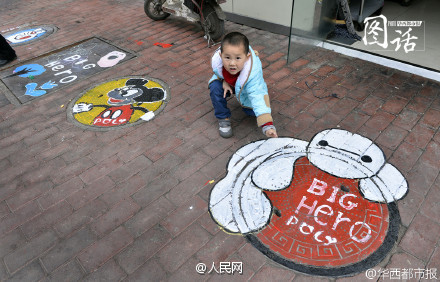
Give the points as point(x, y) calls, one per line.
point(345, 154)
point(135, 91)
point(126, 93)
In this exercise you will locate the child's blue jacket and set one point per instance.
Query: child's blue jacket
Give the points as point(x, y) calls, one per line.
point(250, 88)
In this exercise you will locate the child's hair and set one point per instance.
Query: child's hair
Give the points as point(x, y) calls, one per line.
point(236, 39)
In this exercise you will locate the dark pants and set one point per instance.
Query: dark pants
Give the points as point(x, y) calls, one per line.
point(221, 110)
point(6, 51)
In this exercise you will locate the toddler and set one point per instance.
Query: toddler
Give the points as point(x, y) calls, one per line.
point(238, 70)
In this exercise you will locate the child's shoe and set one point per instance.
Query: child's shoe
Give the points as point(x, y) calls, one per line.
point(224, 128)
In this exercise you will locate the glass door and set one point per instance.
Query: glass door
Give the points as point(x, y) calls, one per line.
point(405, 31)
point(311, 23)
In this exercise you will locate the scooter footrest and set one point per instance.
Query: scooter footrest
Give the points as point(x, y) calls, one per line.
point(179, 10)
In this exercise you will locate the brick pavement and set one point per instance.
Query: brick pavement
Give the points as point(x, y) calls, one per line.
point(131, 204)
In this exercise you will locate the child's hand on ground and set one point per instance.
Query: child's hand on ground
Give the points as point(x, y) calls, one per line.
point(226, 88)
point(271, 133)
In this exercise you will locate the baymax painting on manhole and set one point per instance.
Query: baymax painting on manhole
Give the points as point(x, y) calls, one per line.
point(325, 207)
point(120, 102)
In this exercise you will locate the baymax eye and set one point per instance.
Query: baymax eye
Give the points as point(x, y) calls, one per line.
point(323, 143)
point(366, 159)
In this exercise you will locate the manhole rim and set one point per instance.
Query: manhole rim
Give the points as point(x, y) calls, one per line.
point(53, 29)
point(71, 118)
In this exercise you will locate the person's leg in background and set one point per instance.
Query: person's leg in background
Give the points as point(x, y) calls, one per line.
point(7, 54)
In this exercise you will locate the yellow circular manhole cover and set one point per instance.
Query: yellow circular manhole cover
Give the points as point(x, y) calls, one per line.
point(119, 103)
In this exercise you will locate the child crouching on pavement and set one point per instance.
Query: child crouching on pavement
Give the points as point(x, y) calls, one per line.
point(238, 70)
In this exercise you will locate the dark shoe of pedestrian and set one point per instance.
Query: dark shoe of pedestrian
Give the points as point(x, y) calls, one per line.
point(224, 128)
point(4, 62)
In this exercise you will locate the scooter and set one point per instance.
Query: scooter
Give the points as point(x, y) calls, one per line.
point(206, 12)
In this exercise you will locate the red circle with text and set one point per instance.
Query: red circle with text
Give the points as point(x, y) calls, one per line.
point(323, 220)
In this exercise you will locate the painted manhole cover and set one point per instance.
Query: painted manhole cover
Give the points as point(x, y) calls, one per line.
point(29, 34)
point(119, 103)
point(49, 73)
point(323, 208)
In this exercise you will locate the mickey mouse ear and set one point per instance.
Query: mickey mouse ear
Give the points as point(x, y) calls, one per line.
point(388, 185)
point(137, 81)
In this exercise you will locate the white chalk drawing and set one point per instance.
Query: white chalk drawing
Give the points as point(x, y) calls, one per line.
point(111, 59)
point(239, 205)
point(26, 35)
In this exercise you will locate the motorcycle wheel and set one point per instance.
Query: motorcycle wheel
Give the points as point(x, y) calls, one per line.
point(213, 25)
point(153, 9)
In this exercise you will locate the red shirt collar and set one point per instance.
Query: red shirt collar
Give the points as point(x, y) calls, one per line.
point(231, 79)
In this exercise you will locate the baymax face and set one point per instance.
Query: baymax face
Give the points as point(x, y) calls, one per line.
point(344, 154)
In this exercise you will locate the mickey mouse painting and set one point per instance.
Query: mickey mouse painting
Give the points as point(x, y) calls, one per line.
point(325, 203)
point(131, 100)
